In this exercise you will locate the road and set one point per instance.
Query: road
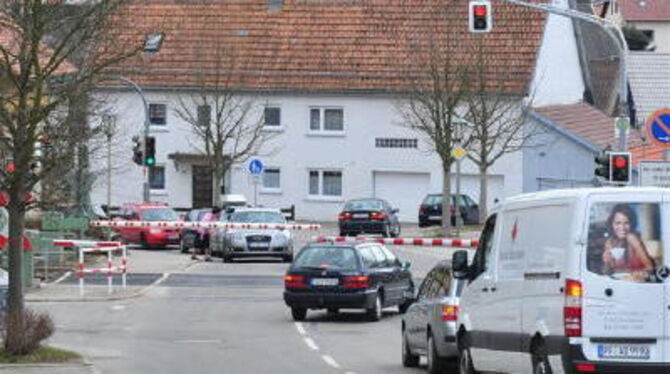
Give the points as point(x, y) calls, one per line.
point(230, 318)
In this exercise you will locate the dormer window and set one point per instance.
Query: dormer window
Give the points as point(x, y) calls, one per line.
point(153, 41)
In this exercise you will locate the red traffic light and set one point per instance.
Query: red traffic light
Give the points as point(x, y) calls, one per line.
point(10, 167)
point(480, 10)
point(620, 162)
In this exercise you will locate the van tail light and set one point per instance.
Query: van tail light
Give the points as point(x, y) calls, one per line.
point(294, 282)
point(378, 216)
point(585, 368)
point(356, 282)
point(344, 217)
point(449, 313)
point(572, 310)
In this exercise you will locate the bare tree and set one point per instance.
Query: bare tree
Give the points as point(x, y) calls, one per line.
point(225, 121)
point(50, 52)
point(497, 123)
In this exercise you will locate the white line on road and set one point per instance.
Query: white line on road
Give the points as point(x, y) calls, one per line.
point(118, 307)
point(301, 329)
point(311, 344)
point(331, 361)
point(198, 341)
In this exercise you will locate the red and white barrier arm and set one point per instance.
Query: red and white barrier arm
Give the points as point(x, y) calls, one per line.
point(207, 225)
point(425, 242)
point(84, 243)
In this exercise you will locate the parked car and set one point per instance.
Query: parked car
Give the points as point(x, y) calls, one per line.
point(334, 276)
point(368, 216)
point(197, 238)
point(429, 326)
point(148, 237)
point(430, 210)
point(569, 281)
point(235, 243)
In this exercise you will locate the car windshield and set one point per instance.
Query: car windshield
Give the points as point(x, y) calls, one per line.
point(364, 205)
point(164, 214)
point(327, 257)
point(257, 217)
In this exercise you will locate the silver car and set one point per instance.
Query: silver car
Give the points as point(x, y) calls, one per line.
point(429, 325)
point(236, 243)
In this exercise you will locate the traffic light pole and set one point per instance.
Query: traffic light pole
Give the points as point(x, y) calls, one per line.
point(145, 186)
point(614, 32)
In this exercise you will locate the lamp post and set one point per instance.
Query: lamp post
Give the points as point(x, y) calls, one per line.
point(109, 125)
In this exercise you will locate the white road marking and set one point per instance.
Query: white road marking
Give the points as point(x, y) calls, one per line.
point(301, 329)
point(198, 341)
point(118, 307)
point(349, 372)
point(331, 361)
point(311, 344)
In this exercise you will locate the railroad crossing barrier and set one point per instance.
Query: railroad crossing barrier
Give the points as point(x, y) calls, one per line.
point(424, 242)
point(207, 225)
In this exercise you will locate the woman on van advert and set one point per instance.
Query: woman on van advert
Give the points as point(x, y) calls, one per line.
point(624, 251)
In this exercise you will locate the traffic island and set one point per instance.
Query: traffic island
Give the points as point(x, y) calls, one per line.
point(43, 355)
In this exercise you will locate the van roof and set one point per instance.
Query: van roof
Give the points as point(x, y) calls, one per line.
point(583, 192)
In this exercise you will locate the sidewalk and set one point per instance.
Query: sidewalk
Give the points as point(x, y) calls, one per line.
point(140, 261)
point(48, 369)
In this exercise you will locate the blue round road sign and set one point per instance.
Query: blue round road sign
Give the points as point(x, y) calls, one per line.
point(658, 127)
point(256, 166)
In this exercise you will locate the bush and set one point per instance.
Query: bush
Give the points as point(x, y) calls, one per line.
point(32, 328)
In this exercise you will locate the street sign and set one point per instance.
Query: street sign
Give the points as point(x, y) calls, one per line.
point(458, 153)
point(622, 123)
point(256, 166)
point(658, 127)
point(655, 173)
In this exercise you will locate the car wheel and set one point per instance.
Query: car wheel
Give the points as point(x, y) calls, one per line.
point(143, 242)
point(465, 362)
point(182, 247)
point(343, 233)
point(387, 231)
point(375, 313)
point(298, 314)
point(409, 360)
point(288, 258)
point(436, 364)
point(540, 360)
point(396, 233)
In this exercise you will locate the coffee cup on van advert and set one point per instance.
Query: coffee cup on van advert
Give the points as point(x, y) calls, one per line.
point(545, 291)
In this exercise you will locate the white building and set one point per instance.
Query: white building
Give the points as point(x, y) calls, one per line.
point(310, 62)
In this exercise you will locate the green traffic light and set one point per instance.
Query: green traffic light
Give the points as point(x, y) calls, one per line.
point(150, 161)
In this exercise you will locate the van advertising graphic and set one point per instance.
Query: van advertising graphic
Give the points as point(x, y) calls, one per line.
point(625, 241)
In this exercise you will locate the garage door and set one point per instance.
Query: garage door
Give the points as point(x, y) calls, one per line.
point(404, 191)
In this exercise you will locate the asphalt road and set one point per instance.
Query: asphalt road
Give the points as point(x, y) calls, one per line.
point(230, 318)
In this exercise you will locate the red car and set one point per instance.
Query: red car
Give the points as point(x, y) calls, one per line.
point(149, 237)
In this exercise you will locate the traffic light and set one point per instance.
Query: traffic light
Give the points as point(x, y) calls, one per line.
point(149, 151)
point(138, 151)
point(480, 16)
point(603, 166)
point(620, 165)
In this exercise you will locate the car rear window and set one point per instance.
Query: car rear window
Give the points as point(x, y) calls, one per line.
point(364, 205)
point(327, 257)
point(159, 215)
point(257, 217)
point(433, 200)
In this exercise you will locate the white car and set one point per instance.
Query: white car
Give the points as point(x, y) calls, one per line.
point(238, 243)
point(569, 281)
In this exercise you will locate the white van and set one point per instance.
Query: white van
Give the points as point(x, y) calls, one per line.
point(569, 281)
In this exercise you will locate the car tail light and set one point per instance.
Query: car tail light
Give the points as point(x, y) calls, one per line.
point(449, 312)
point(378, 216)
point(586, 368)
point(344, 217)
point(356, 282)
point(294, 281)
point(572, 310)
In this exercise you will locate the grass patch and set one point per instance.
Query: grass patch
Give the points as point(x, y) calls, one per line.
point(42, 355)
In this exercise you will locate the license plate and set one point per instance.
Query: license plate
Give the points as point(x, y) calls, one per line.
point(173, 236)
point(621, 351)
point(325, 282)
point(258, 245)
point(360, 215)
point(435, 217)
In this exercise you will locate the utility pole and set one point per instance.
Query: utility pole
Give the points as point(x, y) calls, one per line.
point(615, 33)
point(110, 129)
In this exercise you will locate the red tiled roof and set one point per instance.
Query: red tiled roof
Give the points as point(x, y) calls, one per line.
point(582, 120)
point(323, 45)
point(645, 10)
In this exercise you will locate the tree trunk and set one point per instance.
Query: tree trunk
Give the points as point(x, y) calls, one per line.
point(217, 181)
point(446, 199)
point(15, 296)
point(483, 193)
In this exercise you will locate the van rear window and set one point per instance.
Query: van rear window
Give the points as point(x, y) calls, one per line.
point(625, 241)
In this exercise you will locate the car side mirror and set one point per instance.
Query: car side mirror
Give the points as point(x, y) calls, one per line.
point(459, 264)
point(405, 265)
point(395, 210)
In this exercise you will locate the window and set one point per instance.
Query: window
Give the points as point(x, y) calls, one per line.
point(326, 120)
point(368, 258)
point(272, 117)
point(153, 41)
point(391, 259)
point(482, 257)
point(204, 115)
point(425, 286)
point(158, 114)
point(649, 34)
point(396, 143)
point(380, 259)
point(157, 178)
point(271, 179)
point(325, 183)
